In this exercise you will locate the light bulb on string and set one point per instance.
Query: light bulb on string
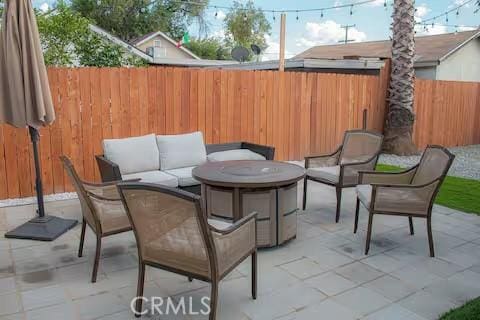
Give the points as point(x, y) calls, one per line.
point(273, 15)
point(385, 4)
point(446, 18)
point(244, 17)
point(351, 10)
point(321, 14)
point(297, 15)
point(216, 12)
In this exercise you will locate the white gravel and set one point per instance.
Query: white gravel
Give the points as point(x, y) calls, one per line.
point(466, 163)
point(32, 200)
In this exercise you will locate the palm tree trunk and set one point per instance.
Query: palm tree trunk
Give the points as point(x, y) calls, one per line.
point(400, 116)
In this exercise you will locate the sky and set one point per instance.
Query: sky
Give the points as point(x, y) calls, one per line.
point(372, 21)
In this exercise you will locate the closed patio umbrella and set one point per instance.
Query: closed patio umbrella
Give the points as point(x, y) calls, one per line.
point(25, 101)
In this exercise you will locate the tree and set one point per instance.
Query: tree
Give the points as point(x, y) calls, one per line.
point(129, 19)
point(245, 25)
point(67, 40)
point(209, 48)
point(400, 115)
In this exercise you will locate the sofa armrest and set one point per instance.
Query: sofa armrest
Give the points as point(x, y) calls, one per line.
point(218, 147)
point(109, 171)
point(266, 151)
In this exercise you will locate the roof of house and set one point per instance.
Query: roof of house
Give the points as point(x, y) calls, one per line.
point(131, 49)
point(138, 41)
point(429, 49)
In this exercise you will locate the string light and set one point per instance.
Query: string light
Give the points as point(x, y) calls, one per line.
point(321, 14)
point(216, 12)
point(351, 9)
point(273, 15)
point(297, 15)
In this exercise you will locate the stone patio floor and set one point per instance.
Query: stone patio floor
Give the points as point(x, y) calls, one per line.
point(323, 273)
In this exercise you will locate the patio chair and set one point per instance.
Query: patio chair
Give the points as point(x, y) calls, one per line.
point(102, 210)
point(174, 234)
point(359, 151)
point(409, 193)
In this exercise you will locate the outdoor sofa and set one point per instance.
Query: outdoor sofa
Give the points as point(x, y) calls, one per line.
point(169, 159)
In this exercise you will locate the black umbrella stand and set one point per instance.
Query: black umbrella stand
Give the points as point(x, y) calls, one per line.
point(44, 227)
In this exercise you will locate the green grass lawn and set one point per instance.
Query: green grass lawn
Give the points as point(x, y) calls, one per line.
point(469, 311)
point(456, 193)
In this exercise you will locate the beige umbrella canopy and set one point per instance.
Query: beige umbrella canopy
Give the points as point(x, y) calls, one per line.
point(25, 94)
point(25, 100)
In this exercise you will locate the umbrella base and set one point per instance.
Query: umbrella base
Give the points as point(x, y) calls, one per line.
point(46, 228)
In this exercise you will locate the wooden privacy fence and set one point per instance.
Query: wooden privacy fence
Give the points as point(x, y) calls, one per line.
point(298, 113)
point(447, 113)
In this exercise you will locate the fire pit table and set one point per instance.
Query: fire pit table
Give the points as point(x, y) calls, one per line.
point(233, 189)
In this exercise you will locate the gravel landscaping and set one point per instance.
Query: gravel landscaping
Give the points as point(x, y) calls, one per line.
point(466, 164)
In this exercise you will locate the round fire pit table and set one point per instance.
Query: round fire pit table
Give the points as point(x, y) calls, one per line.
point(233, 189)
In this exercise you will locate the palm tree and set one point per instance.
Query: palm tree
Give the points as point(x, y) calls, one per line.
point(400, 116)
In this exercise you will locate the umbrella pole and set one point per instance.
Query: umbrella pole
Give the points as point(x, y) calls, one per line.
point(35, 137)
point(44, 227)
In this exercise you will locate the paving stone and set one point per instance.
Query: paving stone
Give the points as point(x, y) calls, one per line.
point(390, 287)
point(359, 272)
point(43, 297)
point(96, 306)
point(327, 309)
point(60, 311)
point(9, 304)
point(7, 285)
point(303, 268)
point(393, 312)
point(330, 283)
point(453, 290)
point(426, 305)
point(362, 300)
point(416, 277)
point(383, 262)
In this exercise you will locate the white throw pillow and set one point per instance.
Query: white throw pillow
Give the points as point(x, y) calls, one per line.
point(236, 154)
point(182, 150)
point(136, 154)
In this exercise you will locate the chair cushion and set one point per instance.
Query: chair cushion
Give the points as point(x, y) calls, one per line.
point(330, 174)
point(183, 150)
point(364, 193)
point(401, 200)
point(236, 154)
point(184, 176)
point(136, 154)
point(155, 176)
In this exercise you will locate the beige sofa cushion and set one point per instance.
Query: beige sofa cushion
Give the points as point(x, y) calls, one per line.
point(135, 154)
point(182, 150)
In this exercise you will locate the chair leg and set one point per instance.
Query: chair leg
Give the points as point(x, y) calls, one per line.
point(357, 210)
point(430, 237)
point(97, 258)
point(254, 275)
point(305, 182)
point(190, 279)
point(339, 203)
point(369, 232)
point(213, 300)
point(410, 221)
point(82, 238)
point(140, 286)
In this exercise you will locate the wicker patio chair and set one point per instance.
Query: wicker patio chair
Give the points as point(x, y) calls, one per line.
point(409, 193)
point(359, 151)
point(174, 234)
point(102, 210)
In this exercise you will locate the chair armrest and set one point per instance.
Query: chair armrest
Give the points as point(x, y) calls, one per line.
point(419, 196)
point(266, 151)
point(401, 177)
point(323, 160)
point(236, 225)
point(102, 197)
point(109, 171)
